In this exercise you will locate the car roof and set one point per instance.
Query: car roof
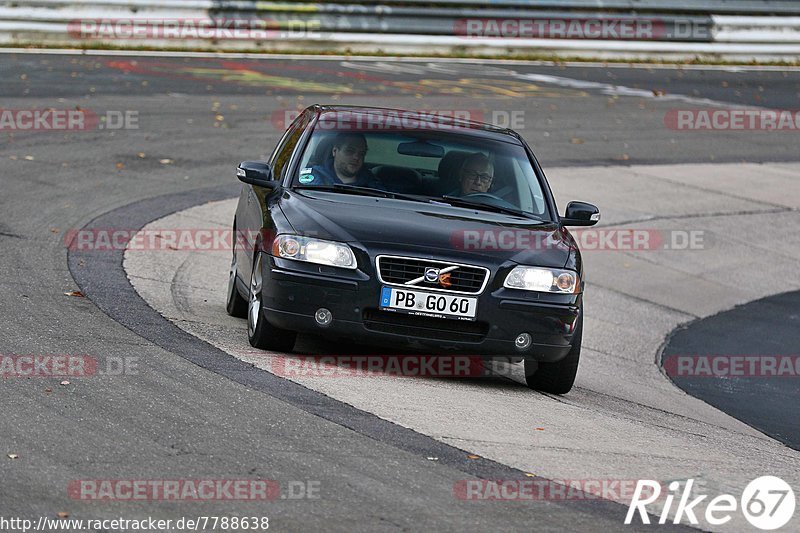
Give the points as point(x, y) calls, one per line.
point(432, 118)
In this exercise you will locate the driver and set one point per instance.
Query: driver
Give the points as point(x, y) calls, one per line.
point(476, 174)
point(346, 166)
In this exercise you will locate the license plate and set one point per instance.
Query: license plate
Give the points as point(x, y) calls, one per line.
point(428, 304)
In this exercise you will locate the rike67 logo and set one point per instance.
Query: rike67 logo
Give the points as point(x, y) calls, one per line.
point(767, 502)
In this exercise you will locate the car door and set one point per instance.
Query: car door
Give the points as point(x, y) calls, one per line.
point(255, 217)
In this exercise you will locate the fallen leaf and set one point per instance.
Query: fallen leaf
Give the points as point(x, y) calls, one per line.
point(62, 514)
point(219, 117)
point(78, 294)
point(65, 382)
point(54, 230)
point(13, 456)
point(529, 474)
point(48, 391)
point(576, 140)
point(165, 161)
point(473, 457)
point(539, 429)
point(141, 155)
point(120, 166)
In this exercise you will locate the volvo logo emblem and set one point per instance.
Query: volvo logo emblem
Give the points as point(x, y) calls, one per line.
point(431, 274)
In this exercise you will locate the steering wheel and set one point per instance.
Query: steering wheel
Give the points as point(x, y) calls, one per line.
point(487, 195)
point(493, 199)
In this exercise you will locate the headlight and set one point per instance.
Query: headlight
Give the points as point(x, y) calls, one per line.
point(313, 251)
point(543, 280)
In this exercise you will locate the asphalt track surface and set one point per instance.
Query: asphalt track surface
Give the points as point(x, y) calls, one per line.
point(767, 403)
point(192, 412)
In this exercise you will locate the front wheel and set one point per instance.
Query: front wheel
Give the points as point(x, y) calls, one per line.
point(261, 333)
point(557, 377)
point(235, 305)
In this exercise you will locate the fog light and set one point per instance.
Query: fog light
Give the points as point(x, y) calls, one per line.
point(523, 341)
point(323, 316)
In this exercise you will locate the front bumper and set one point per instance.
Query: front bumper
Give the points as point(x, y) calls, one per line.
point(293, 291)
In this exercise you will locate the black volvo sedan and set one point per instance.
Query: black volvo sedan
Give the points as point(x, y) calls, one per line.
point(402, 228)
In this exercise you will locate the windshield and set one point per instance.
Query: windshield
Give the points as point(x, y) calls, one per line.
point(429, 165)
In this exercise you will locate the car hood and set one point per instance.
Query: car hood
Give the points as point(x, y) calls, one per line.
point(427, 228)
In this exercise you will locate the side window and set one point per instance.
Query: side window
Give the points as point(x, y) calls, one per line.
point(280, 158)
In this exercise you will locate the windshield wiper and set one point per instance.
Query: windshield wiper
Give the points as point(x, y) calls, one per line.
point(464, 202)
point(363, 191)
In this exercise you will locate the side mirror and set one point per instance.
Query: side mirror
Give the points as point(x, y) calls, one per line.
point(256, 173)
point(581, 214)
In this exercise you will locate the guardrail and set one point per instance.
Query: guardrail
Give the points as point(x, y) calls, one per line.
point(708, 7)
point(500, 27)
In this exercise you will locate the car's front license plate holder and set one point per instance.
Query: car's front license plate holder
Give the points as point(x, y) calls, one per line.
point(432, 304)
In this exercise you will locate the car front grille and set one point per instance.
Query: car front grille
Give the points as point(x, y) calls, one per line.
point(464, 279)
point(442, 329)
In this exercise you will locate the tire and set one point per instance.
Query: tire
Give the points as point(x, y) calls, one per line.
point(261, 333)
point(235, 305)
point(557, 377)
